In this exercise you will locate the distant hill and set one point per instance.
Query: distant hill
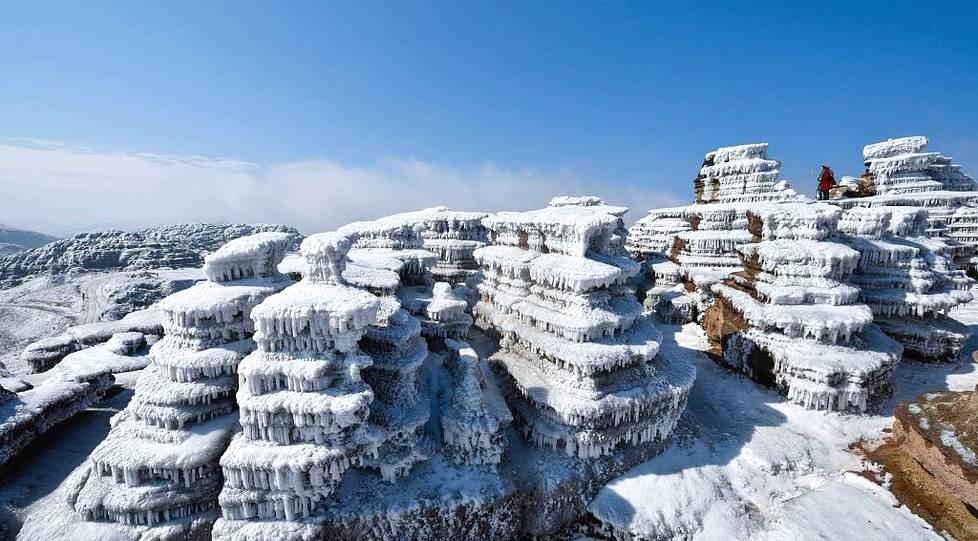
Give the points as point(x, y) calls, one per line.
point(171, 246)
point(14, 240)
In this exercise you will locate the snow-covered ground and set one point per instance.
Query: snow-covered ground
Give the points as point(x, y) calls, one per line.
point(47, 305)
point(746, 464)
point(30, 485)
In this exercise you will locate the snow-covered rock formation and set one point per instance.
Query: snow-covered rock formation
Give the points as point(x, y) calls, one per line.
point(901, 166)
point(902, 173)
point(205, 238)
point(579, 355)
point(793, 320)
point(303, 401)
point(688, 249)
point(474, 418)
point(579, 362)
point(907, 279)
point(440, 308)
point(402, 397)
point(26, 415)
point(449, 234)
point(47, 352)
point(156, 474)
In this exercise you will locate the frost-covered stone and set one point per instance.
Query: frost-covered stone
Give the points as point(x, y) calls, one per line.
point(156, 474)
point(47, 352)
point(172, 246)
point(26, 415)
point(907, 279)
point(450, 235)
point(473, 421)
point(125, 343)
point(303, 399)
point(792, 318)
point(247, 257)
point(577, 355)
point(702, 239)
point(441, 308)
point(900, 166)
point(741, 173)
point(901, 173)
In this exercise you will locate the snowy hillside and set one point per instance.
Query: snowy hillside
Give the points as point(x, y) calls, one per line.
point(14, 240)
point(176, 246)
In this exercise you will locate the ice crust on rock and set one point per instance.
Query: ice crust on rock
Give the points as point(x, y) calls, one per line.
point(171, 246)
point(48, 352)
point(27, 414)
point(474, 420)
point(907, 280)
point(702, 239)
point(450, 235)
point(901, 166)
point(903, 175)
point(577, 356)
point(156, 474)
point(303, 400)
point(793, 319)
point(247, 257)
point(341, 387)
point(441, 309)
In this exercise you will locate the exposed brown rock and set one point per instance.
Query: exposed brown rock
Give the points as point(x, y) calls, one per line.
point(755, 226)
point(719, 322)
point(935, 474)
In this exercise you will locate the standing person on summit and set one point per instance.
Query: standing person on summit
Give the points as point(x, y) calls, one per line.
point(826, 181)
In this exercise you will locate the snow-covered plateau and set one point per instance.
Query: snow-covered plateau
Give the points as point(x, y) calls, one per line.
point(726, 370)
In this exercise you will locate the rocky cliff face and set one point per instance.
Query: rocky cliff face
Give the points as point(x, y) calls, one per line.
point(172, 246)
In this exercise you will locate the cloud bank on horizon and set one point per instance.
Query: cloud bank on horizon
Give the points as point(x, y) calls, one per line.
point(63, 189)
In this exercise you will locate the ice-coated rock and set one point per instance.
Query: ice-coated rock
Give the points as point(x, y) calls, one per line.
point(901, 173)
point(793, 319)
point(450, 235)
point(172, 246)
point(907, 279)
point(701, 240)
point(303, 401)
point(474, 419)
point(156, 474)
point(441, 309)
point(47, 352)
point(577, 355)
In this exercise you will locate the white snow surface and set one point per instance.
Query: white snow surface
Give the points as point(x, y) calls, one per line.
point(749, 465)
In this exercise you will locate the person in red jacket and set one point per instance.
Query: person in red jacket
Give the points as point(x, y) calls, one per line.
point(826, 181)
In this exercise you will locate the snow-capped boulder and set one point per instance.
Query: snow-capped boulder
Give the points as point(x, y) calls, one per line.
point(907, 279)
point(579, 356)
point(901, 173)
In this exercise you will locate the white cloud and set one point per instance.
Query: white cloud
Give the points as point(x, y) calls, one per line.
point(54, 186)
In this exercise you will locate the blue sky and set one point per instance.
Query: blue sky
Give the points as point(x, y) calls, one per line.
point(624, 97)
